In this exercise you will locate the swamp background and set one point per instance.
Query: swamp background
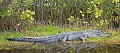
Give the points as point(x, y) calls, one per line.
point(33, 18)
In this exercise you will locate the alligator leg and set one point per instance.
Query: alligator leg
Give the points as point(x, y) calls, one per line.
point(64, 38)
point(83, 39)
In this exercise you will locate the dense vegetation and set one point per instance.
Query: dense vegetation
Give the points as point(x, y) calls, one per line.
point(16, 15)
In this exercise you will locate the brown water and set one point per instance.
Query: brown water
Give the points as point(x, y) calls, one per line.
point(66, 48)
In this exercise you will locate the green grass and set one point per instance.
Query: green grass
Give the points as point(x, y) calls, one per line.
point(39, 31)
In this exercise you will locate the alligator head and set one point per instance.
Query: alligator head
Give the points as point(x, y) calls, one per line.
point(98, 33)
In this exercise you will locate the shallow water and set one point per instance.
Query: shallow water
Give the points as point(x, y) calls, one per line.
point(66, 48)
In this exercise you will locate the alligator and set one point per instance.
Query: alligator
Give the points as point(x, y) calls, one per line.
point(63, 37)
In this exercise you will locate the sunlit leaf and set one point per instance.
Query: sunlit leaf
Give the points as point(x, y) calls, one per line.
point(1, 1)
point(27, 15)
point(27, 11)
point(32, 13)
point(115, 1)
point(81, 11)
point(89, 10)
point(64, 4)
point(82, 15)
point(92, 2)
point(101, 21)
point(85, 22)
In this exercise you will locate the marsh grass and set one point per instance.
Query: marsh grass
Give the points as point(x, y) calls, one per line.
point(40, 31)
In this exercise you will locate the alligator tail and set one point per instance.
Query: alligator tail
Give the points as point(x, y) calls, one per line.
point(33, 39)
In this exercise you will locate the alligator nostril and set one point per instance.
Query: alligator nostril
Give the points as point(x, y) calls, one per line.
point(110, 34)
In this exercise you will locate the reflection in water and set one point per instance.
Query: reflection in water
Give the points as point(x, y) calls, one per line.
point(82, 47)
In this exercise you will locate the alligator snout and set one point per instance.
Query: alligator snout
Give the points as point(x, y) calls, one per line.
point(108, 34)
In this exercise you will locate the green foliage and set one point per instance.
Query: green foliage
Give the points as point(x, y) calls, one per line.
point(94, 8)
point(89, 10)
point(1, 1)
point(6, 13)
point(62, 11)
point(73, 19)
point(27, 15)
point(27, 3)
point(98, 13)
point(82, 13)
point(115, 1)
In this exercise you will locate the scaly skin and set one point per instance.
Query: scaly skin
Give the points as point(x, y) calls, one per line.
point(69, 36)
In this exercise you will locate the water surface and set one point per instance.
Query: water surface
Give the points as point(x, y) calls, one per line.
point(65, 48)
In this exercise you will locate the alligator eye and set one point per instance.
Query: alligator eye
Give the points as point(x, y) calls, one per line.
point(98, 34)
